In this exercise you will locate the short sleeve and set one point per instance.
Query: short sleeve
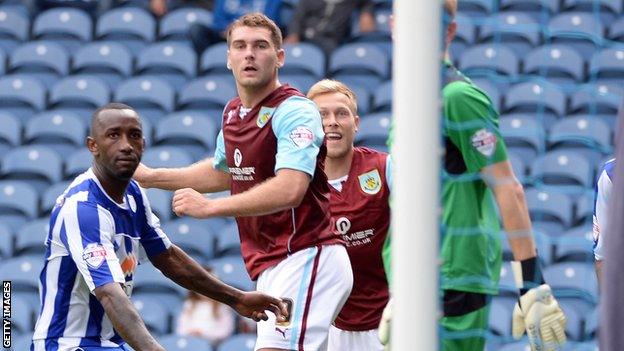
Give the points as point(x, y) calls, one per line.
point(389, 172)
point(601, 207)
point(299, 132)
point(219, 160)
point(153, 240)
point(471, 122)
point(88, 233)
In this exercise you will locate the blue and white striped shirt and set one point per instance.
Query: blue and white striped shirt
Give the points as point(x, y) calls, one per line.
point(602, 195)
point(92, 241)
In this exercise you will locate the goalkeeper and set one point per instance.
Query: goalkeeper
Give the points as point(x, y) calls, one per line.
point(477, 177)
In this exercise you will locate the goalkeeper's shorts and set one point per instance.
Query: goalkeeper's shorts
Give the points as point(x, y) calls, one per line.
point(465, 332)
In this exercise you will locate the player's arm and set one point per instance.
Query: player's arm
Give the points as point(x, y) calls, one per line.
point(201, 176)
point(125, 318)
point(182, 269)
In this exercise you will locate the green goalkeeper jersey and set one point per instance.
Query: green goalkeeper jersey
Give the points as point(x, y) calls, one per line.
point(470, 247)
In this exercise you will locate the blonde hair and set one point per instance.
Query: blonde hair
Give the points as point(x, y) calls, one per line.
point(257, 20)
point(450, 6)
point(328, 86)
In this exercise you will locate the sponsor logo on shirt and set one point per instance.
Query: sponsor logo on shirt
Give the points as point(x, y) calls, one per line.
point(264, 115)
point(343, 224)
point(484, 141)
point(238, 157)
point(241, 173)
point(302, 136)
point(94, 255)
point(370, 182)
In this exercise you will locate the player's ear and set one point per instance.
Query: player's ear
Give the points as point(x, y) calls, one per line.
point(93, 146)
point(281, 55)
point(357, 122)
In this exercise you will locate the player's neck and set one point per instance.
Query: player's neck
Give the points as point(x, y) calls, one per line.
point(337, 167)
point(114, 188)
point(251, 96)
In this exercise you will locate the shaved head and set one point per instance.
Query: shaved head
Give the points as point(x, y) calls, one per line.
point(97, 119)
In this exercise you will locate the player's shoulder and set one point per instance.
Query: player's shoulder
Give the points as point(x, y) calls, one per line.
point(370, 152)
point(296, 102)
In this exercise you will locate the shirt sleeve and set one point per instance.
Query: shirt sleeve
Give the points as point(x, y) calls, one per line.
point(299, 132)
point(471, 122)
point(88, 233)
point(389, 171)
point(219, 160)
point(601, 208)
point(153, 240)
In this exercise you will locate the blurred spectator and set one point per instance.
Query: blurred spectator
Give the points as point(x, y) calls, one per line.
point(205, 318)
point(327, 23)
point(160, 7)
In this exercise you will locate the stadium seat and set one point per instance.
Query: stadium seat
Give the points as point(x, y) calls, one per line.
point(465, 35)
point(6, 242)
point(476, 8)
point(565, 169)
point(359, 63)
point(22, 313)
point(363, 97)
point(193, 237)
point(539, 9)
point(591, 325)
point(558, 63)
point(62, 132)
point(501, 309)
point(584, 208)
point(107, 60)
point(191, 130)
point(77, 162)
point(590, 137)
point(175, 25)
point(14, 27)
point(596, 99)
point(160, 201)
point(44, 60)
point(184, 343)
point(18, 202)
point(542, 244)
point(516, 30)
point(22, 96)
point(550, 212)
point(491, 88)
point(608, 66)
point(489, 59)
point(48, 199)
point(382, 99)
point(374, 130)
point(544, 100)
point(10, 131)
point(171, 61)
point(616, 30)
point(574, 321)
point(30, 239)
point(82, 94)
point(573, 280)
point(523, 134)
point(166, 156)
point(575, 245)
point(148, 279)
point(206, 93)
point(23, 272)
point(130, 26)
point(213, 60)
point(151, 97)
point(304, 58)
point(238, 342)
point(153, 313)
point(607, 10)
point(380, 36)
point(68, 26)
point(301, 82)
point(231, 270)
point(39, 166)
point(578, 29)
point(228, 239)
point(518, 165)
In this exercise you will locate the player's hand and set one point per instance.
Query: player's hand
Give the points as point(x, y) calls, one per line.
point(189, 202)
point(540, 315)
point(141, 175)
point(254, 305)
point(386, 323)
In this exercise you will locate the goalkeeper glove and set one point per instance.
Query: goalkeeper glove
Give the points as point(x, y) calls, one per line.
point(537, 310)
point(385, 324)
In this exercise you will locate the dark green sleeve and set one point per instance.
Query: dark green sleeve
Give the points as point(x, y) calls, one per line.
point(471, 122)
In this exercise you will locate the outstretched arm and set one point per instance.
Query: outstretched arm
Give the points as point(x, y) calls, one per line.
point(182, 269)
point(125, 318)
point(200, 176)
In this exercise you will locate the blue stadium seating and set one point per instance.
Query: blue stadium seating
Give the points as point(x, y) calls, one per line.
point(516, 30)
point(591, 324)
point(184, 343)
point(584, 208)
point(31, 237)
point(62, 132)
point(166, 156)
point(476, 8)
point(10, 131)
point(304, 58)
point(494, 89)
point(107, 60)
point(160, 201)
point(574, 245)
point(465, 35)
point(68, 26)
point(596, 99)
point(77, 162)
point(228, 240)
point(148, 279)
point(607, 10)
point(539, 9)
point(231, 270)
point(240, 342)
point(37, 165)
point(132, 27)
point(359, 63)
point(374, 130)
point(206, 93)
point(380, 36)
point(578, 29)
point(6, 241)
point(557, 63)
point(22, 96)
point(550, 212)
point(573, 279)
point(607, 65)
point(175, 25)
point(150, 97)
point(616, 30)
point(193, 237)
point(589, 137)
point(153, 313)
point(489, 59)
point(500, 316)
point(82, 94)
point(544, 99)
point(518, 165)
point(22, 313)
point(191, 130)
point(23, 272)
point(523, 134)
point(14, 26)
point(213, 60)
point(382, 98)
point(566, 169)
point(44, 60)
point(171, 61)
point(18, 203)
point(48, 199)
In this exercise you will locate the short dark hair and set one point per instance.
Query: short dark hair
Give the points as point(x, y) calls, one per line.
point(109, 106)
point(257, 20)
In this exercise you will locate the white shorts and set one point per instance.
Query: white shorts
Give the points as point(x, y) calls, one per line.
point(318, 281)
point(342, 340)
